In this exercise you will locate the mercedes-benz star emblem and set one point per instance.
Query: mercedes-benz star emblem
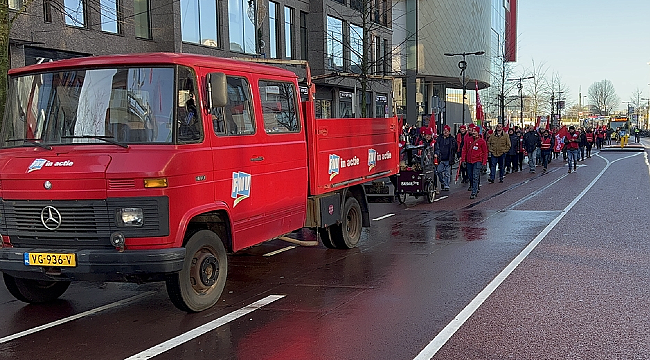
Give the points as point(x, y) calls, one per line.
point(51, 218)
point(47, 185)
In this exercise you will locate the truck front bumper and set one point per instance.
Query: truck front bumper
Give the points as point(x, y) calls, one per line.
point(97, 264)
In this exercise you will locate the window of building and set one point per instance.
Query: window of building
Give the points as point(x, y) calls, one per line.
point(387, 57)
point(241, 16)
point(199, 22)
point(109, 14)
point(15, 4)
point(378, 55)
point(190, 126)
point(74, 13)
point(47, 11)
point(356, 48)
point(304, 48)
point(334, 39)
point(288, 32)
point(142, 19)
point(345, 104)
point(384, 12)
point(237, 117)
point(274, 29)
point(279, 107)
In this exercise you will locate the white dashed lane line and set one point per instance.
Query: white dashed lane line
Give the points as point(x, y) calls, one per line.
point(383, 217)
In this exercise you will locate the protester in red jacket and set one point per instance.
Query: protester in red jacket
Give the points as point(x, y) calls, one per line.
point(475, 155)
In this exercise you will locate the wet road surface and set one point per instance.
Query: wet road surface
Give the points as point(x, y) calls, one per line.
point(408, 291)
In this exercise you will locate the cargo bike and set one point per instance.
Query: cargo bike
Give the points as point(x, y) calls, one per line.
point(417, 175)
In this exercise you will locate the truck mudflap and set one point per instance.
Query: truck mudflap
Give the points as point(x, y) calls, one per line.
point(104, 264)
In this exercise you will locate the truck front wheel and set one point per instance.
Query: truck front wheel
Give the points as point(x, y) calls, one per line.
point(35, 291)
point(347, 234)
point(200, 283)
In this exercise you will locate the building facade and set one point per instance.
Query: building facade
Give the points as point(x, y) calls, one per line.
point(330, 34)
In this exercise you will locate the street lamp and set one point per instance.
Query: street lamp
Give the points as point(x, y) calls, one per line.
point(462, 65)
point(521, 96)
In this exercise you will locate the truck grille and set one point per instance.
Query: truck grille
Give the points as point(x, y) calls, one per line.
point(82, 224)
point(86, 224)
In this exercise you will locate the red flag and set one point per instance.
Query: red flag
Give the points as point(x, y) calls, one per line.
point(479, 108)
point(563, 132)
point(548, 123)
point(539, 120)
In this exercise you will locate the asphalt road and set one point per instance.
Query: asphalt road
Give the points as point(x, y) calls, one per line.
point(550, 266)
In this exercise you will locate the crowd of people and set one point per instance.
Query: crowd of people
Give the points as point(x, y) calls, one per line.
point(504, 150)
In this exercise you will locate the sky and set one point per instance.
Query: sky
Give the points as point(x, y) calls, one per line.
point(585, 41)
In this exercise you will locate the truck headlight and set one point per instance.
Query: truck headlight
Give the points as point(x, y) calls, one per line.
point(132, 217)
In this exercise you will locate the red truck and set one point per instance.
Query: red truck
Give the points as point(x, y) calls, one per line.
point(153, 167)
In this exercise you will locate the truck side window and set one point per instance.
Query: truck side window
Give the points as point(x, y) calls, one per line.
point(279, 107)
point(236, 118)
point(190, 126)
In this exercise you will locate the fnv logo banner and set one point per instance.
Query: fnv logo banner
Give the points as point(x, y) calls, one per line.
point(372, 159)
point(241, 187)
point(335, 163)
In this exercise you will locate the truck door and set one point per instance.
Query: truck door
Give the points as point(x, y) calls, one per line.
point(285, 157)
point(236, 162)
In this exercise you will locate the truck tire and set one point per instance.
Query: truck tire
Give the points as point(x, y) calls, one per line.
point(325, 238)
point(35, 291)
point(347, 234)
point(200, 283)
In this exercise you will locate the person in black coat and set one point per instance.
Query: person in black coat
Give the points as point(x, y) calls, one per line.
point(532, 142)
point(511, 156)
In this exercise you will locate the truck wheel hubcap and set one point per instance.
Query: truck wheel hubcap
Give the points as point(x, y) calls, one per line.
point(204, 270)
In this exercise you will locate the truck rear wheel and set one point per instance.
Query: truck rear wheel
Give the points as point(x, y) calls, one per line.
point(35, 291)
point(347, 234)
point(200, 283)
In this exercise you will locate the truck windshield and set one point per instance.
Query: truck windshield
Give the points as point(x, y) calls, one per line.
point(120, 106)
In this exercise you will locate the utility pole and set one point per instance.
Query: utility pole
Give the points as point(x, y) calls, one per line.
point(521, 96)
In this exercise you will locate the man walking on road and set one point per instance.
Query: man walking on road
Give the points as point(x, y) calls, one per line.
point(572, 146)
point(475, 156)
point(444, 150)
point(546, 146)
point(531, 143)
point(498, 146)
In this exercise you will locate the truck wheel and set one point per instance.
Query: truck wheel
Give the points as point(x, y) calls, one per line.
point(325, 237)
point(35, 291)
point(200, 283)
point(347, 234)
point(431, 191)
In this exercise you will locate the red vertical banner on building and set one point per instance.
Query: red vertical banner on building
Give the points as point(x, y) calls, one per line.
point(511, 32)
point(479, 108)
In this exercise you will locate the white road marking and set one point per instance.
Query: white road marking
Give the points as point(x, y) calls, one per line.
point(205, 328)
point(440, 198)
point(383, 217)
point(441, 339)
point(73, 317)
point(279, 251)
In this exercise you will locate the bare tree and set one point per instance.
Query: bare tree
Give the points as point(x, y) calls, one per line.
point(603, 96)
point(557, 92)
point(538, 89)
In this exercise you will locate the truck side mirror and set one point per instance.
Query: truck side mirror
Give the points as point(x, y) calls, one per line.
point(218, 89)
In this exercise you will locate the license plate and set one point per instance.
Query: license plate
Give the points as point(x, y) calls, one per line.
point(50, 259)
